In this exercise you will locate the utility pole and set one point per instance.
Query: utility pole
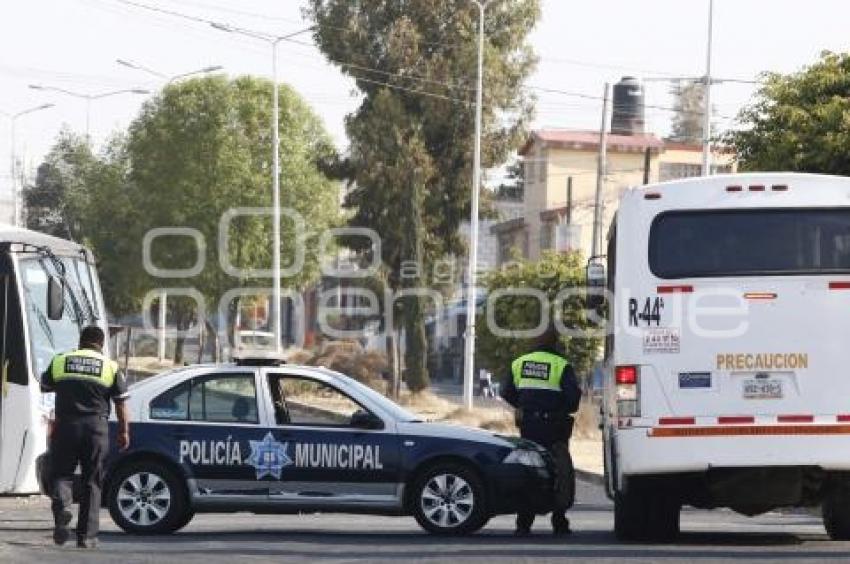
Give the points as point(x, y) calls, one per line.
point(471, 298)
point(601, 171)
point(273, 42)
point(17, 204)
point(163, 319)
point(706, 127)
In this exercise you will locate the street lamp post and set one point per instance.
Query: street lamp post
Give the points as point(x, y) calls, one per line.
point(88, 97)
point(167, 78)
point(471, 298)
point(273, 41)
point(16, 204)
point(163, 296)
point(706, 124)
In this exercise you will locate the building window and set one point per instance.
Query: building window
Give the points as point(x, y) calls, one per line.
point(529, 170)
point(541, 161)
point(546, 229)
point(506, 243)
point(674, 171)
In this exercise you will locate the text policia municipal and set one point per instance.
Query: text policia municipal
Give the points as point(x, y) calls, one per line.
point(307, 455)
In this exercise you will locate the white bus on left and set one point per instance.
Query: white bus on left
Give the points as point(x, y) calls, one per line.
point(49, 291)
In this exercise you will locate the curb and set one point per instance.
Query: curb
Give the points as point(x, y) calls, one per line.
point(592, 477)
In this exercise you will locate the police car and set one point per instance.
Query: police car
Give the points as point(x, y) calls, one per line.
point(266, 437)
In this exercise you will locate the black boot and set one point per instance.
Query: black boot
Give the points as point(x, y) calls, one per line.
point(61, 520)
point(523, 524)
point(560, 525)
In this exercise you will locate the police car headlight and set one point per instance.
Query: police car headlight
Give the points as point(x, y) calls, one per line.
point(526, 458)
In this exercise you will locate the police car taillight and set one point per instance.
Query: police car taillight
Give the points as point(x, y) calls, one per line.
point(628, 398)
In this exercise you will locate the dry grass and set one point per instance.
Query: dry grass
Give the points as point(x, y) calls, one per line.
point(499, 419)
point(587, 422)
point(349, 358)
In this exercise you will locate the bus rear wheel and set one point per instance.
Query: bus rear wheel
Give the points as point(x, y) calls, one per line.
point(836, 515)
point(644, 514)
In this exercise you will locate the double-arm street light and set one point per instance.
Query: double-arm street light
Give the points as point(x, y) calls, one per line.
point(88, 97)
point(471, 298)
point(163, 297)
point(167, 78)
point(13, 118)
point(272, 41)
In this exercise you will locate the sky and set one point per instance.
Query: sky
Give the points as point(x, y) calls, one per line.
point(73, 44)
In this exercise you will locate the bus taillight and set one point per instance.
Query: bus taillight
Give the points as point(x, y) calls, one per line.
point(626, 375)
point(628, 401)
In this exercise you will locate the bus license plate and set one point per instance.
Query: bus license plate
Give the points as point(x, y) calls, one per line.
point(762, 389)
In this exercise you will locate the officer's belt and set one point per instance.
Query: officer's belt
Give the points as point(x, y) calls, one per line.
point(546, 415)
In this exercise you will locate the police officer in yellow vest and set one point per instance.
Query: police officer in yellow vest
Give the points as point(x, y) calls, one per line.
point(85, 381)
point(544, 390)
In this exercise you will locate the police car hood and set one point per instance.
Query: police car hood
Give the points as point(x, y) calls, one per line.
point(462, 433)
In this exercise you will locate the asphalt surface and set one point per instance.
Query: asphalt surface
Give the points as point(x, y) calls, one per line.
point(708, 536)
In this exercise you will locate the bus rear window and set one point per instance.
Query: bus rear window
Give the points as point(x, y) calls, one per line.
point(750, 242)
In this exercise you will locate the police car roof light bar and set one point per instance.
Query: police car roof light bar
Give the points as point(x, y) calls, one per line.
point(258, 358)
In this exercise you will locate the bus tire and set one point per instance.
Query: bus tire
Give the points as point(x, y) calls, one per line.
point(644, 514)
point(145, 497)
point(836, 516)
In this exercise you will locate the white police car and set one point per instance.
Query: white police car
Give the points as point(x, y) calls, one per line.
point(266, 437)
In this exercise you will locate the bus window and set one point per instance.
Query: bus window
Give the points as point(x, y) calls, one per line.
point(750, 242)
point(47, 336)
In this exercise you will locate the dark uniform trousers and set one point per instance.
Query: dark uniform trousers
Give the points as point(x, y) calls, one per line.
point(83, 440)
point(552, 431)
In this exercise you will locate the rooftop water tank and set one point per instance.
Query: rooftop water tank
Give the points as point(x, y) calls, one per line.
point(628, 114)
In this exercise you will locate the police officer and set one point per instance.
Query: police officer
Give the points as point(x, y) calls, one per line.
point(84, 381)
point(544, 390)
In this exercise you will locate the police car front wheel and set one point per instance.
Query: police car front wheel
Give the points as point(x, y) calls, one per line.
point(448, 499)
point(145, 497)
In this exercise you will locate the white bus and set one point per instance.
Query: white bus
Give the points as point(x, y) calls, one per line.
point(49, 290)
point(727, 380)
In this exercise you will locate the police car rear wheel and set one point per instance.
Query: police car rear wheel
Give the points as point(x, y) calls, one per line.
point(449, 500)
point(146, 498)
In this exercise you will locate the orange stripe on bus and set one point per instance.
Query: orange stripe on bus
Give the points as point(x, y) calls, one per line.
point(750, 431)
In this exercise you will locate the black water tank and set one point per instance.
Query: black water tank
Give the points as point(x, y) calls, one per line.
point(627, 117)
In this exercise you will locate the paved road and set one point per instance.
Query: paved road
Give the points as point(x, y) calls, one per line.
point(716, 536)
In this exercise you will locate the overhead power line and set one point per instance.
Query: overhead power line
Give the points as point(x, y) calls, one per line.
point(405, 75)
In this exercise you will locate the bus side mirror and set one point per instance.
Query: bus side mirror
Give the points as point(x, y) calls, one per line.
point(55, 298)
point(595, 276)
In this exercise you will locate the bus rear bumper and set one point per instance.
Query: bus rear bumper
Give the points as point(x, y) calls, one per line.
point(684, 449)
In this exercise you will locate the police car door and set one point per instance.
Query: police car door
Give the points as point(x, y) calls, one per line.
point(208, 423)
point(330, 450)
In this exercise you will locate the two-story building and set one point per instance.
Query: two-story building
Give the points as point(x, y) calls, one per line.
point(560, 185)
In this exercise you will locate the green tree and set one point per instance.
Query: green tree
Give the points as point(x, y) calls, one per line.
point(412, 136)
point(48, 201)
point(552, 274)
point(84, 196)
point(689, 112)
point(202, 147)
point(198, 149)
point(798, 122)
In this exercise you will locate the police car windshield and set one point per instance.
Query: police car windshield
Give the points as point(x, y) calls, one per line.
point(393, 409)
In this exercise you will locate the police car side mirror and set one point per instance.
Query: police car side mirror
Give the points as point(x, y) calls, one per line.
point(362, 419)
point(596, 279)
point(55, 298)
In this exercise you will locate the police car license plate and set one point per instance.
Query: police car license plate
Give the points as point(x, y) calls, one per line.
point(762, 389)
